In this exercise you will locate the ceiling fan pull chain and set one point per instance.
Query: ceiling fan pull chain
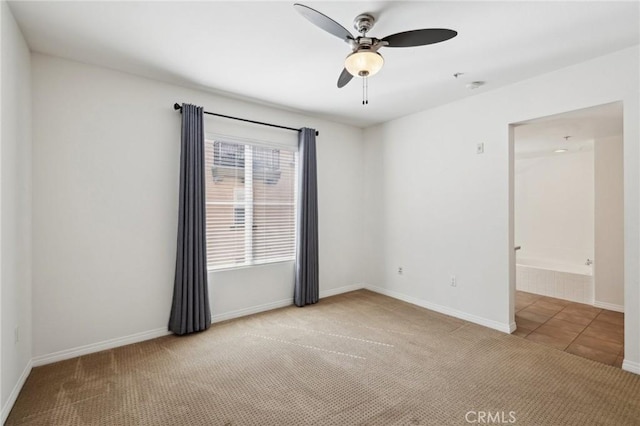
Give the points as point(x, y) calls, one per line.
point(365, 90)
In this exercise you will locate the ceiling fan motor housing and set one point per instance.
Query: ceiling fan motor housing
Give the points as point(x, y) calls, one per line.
point(363, 23)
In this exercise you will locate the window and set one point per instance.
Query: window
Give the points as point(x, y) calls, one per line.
point(251, 205)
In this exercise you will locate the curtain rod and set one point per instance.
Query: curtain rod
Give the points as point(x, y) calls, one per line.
point(178, 107)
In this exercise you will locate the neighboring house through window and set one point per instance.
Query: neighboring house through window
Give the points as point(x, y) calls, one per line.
point(251, 206)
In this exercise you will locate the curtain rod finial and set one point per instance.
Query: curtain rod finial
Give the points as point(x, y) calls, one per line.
point(177, 106)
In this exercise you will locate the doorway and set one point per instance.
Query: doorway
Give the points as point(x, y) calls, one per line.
point(566, 200)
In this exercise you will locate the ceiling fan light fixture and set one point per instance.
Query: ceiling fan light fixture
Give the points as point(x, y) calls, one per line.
point(364, 63)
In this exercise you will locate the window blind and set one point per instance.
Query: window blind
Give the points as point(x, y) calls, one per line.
point(251, 203)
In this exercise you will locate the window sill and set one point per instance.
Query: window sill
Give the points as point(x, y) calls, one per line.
point(247, 266)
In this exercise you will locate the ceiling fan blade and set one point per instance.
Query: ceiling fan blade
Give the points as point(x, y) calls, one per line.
point(323, 22)
point(419, 37)
point(345, 77)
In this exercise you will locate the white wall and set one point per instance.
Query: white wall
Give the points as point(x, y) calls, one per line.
point(15, 211)
point(441, 209)
point(609, 230)
point(554, 206)
point(105, 159)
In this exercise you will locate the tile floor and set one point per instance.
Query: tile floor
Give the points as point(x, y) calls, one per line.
point(580, 329)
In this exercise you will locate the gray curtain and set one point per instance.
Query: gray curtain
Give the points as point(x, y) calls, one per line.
point(190, 309)
point(306, 290)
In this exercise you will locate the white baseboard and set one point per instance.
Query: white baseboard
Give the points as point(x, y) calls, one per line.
point(99, 346)
point(504, 327)
point(630, 366)
point(251, 310)
point(152, 334)
point(14, 393)
point(609, 306)
point(512, 327)
point(340, 290)
point(280, 304)
point(145, 335)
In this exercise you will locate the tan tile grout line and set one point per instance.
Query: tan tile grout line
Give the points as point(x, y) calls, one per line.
point(579, 334)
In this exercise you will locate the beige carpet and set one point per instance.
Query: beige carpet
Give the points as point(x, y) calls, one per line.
point(357, 358)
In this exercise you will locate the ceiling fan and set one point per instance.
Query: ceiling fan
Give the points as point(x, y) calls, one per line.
point(364, 60)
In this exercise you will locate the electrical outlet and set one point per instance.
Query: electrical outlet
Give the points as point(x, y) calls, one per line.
point(400, 270)
point(454, 281)
point(17, 334)
point(480, 148)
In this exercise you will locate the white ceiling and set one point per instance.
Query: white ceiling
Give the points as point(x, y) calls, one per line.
point(542, 136)
point(266, 51)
